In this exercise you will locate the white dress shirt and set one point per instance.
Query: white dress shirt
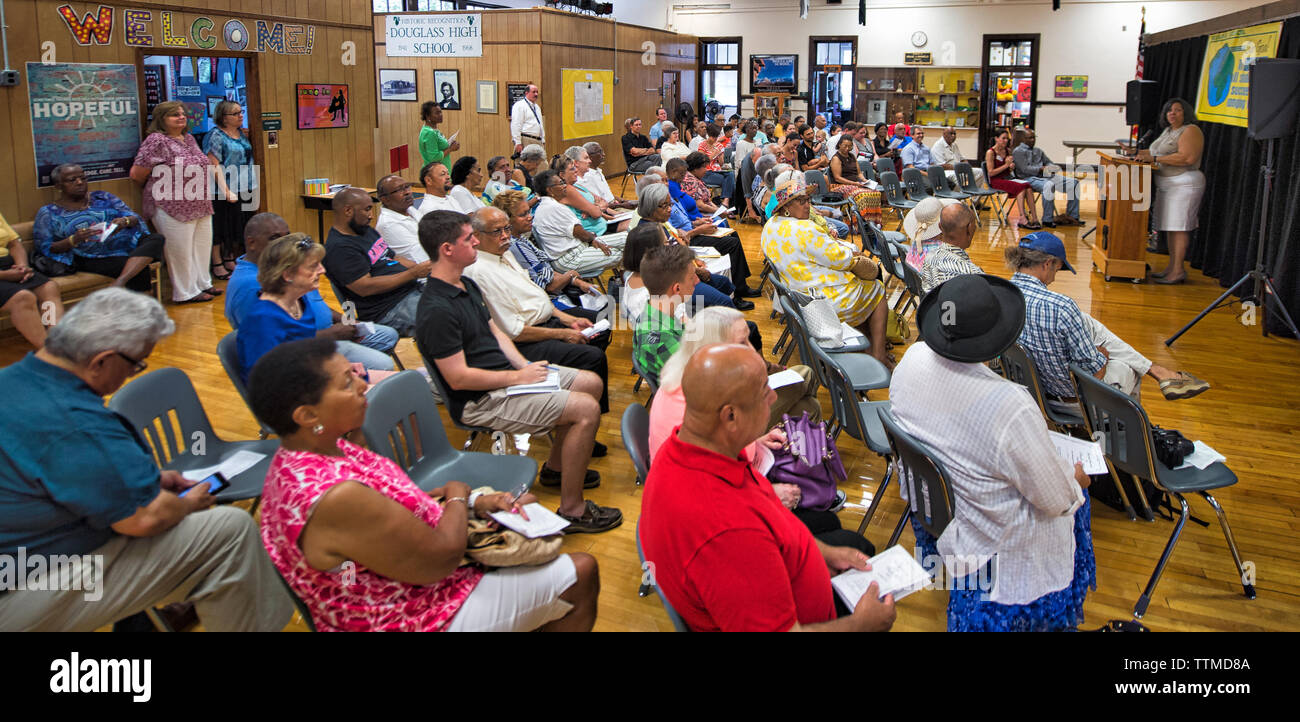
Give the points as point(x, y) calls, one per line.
point(526, 119)
point(668, 151)
point(694, 145)
point(553, 224)
point(514, 301)
point(944, 154)
point(402, 233)
point(1014, 496)
point(465, 199)
point(434, 203)
point(594, 181)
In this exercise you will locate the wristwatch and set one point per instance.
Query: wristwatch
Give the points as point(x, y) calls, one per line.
point(473, 498)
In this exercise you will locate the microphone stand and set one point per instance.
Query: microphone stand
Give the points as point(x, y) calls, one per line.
point(1262, 283)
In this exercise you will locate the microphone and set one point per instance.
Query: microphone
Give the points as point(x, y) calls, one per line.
point(1147, 138)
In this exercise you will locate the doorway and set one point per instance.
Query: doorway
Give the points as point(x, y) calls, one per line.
point(1010, 78)
point(670, 93)
point(830, 77)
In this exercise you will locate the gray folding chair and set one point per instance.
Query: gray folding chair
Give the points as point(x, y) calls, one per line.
point(939, 186)
point(636, 439)
point(473, 432)
point(885, 165)
point(228, 352)
point(895, 196)
point(857, 418)
point(165, 409)
point(1001, 201)
point(1019, 367)
point(678, 624)
point(651, 381)
point(867, 171)
point(923, 476)
point(969, 185)
point(1125, 433)
point(914, 182)
point(403, 424)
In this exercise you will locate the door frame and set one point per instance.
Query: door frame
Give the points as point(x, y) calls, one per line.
point(814, 67)
point(988, 98)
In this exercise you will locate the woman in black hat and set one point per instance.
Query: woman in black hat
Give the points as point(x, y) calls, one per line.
point(1018, 550)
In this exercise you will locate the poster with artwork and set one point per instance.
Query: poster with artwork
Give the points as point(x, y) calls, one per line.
point(84, 111)
point(323, 105)
point(447, 85)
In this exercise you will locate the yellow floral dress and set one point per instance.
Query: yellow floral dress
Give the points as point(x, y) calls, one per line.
point(812, 262)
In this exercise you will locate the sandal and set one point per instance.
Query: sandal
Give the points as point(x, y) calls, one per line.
point(214, 292)
point(203, 297)
point(222, 267)
point(1183, 386)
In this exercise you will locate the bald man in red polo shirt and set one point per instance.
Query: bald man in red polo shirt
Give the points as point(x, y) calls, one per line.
point(726, 553)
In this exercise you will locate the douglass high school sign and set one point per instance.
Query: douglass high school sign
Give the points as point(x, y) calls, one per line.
point(433, 36)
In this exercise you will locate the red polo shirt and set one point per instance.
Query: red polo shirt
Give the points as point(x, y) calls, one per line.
point(726, 553)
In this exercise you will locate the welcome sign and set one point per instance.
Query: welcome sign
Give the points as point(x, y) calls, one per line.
point(433, 36)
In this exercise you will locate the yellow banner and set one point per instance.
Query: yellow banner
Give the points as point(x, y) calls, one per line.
point(1225, 75)
point(588, 103)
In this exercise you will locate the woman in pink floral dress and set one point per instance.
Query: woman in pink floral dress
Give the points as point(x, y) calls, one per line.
point(177, 177)
point(362, 545)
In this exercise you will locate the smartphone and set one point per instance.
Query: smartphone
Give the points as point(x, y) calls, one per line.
point(216, 483)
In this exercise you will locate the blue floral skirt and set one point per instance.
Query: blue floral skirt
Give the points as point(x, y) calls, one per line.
point(1056, 611)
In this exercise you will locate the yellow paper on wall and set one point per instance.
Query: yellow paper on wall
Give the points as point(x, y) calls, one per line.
point(588, 97)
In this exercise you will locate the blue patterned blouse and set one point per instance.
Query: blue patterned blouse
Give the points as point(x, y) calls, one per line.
point(236, 158)
point(55, 223)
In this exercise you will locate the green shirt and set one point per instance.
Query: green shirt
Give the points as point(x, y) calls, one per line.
point(656, 337)
point(433, 146)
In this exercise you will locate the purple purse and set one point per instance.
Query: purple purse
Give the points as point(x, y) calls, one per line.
point(809, 460)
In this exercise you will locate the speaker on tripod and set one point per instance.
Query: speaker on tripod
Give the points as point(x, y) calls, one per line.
point(1272, 109)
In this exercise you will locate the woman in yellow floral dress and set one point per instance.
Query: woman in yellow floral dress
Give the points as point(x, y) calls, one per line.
point(812, 262)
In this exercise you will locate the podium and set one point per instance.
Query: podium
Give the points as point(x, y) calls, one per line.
point(1121, 245)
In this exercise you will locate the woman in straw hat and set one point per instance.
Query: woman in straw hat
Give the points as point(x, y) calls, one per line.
point(812, 262)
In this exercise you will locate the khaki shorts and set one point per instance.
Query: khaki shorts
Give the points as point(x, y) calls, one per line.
point(523, 414)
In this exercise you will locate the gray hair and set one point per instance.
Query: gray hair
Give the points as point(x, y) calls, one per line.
point(708, 326)
point(769, 178)
point(574, 152)
point(656, 170)
point(649, 198)
point(764, 164)
point(532, 152)
point(112, 319)
point(647, 180)
point(592, 147)
point(478, 220)
point(56, 175)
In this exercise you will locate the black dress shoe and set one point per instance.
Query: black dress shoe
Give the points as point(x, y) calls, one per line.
point(1049, 224)
point(550, 477)
point(598, 449)
point(742, 304)
point(748, 292)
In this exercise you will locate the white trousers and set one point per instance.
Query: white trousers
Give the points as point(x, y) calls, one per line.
point(189, 254)
point(1126, 367)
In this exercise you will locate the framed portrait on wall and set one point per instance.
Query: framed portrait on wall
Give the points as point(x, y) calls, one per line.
point(397, 84)
point(487, 96)
point(323, 105)
point(446, 88)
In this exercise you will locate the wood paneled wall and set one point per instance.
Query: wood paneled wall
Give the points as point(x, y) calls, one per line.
point(343, 154)
point(534, 45)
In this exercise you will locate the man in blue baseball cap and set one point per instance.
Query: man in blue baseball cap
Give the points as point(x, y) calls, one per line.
point(1057, 333)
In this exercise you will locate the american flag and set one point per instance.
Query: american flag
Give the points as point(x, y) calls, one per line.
point(1142, 46)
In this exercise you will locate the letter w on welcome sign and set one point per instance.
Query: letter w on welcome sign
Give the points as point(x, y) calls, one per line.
point(433, 36)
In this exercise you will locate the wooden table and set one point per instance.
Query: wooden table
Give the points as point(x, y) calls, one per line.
point(1078, 146)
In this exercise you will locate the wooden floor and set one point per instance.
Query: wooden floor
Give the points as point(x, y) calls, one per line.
point(1251, 415)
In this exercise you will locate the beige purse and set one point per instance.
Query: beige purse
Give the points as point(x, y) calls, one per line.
point(493, 545)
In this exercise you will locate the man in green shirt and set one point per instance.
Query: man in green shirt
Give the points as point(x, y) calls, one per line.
point(669, 274)
point(433, 146)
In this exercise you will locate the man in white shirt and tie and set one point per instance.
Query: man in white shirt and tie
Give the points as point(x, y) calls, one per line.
point(526, 126)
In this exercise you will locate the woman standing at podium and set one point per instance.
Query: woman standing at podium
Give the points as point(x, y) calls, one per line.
point(1180, 184)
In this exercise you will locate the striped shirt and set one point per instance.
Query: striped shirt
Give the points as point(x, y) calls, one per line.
point(1055, 336)
point(534, 260)
point(944, 262)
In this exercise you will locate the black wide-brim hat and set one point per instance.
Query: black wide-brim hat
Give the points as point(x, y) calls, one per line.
point(972, 318)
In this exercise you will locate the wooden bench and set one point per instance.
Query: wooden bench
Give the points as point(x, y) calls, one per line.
point(76, 286)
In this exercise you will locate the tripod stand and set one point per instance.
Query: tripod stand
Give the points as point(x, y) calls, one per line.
point(1262, 283)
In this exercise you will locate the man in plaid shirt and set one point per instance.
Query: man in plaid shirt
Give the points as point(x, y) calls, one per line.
point(669, 274)
point(1057, 333)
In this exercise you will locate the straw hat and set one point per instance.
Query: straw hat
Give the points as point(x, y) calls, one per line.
point(789, 187)
point(922, 222)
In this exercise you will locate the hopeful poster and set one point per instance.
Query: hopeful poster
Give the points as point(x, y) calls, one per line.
point(323, 105)
point(84, 112)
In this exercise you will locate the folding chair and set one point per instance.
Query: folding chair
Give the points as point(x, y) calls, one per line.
point(1018, 366)
point(885, 165)
point(857, 418)
point(895, 196)
point(622, 189)
point(636, 439)
point(651, 381)
point(914, 182)
point(678, 624)
point(1001, 201)
point(868, 172)
point(228, 352)
point(968, 185)
point(403, 424)
point(924, 479)
point(444, 393)
point(1127, 442)
point(165, 409)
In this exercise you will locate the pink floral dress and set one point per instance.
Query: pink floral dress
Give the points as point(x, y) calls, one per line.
point(176, 192)
point(351, 598)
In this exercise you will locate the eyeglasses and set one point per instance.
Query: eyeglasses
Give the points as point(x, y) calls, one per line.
point(503, 230)
point(136, 366)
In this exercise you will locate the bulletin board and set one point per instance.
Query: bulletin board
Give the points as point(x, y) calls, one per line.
point(588, 103)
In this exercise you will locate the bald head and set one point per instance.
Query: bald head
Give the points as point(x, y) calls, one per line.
point(350, 198)
point(353, 209)
point(957, 225)
point(260, 230)
point(727, 397)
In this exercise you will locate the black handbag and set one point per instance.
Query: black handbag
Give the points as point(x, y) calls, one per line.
point(49, 266)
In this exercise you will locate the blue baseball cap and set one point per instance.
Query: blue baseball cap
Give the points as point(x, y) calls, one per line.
point(1047, 243)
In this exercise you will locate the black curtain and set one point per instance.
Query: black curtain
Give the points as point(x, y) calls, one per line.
point(1224, 245)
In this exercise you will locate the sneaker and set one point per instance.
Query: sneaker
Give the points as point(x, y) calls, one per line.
point(550, 477)
point(595, 519)
point(1184, 386)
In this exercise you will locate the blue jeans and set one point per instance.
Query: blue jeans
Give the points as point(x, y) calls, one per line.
point(1048, 187)
point(714, 292)
point(726, 181)
point(401, 317)
point(372, 351)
